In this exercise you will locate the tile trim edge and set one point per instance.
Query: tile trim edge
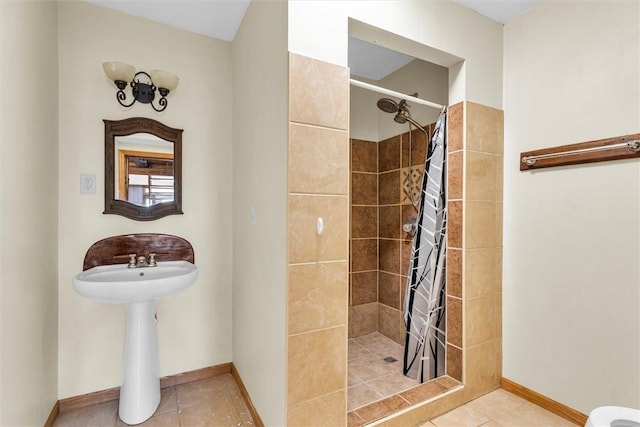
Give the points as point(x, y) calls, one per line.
point(458, 389)
point(544, 402)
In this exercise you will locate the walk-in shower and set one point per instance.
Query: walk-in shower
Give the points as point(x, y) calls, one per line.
point(396, 313)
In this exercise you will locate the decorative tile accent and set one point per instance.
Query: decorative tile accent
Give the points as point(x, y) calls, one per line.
point(411, 185)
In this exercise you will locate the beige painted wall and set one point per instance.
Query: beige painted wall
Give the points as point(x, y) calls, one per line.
point(194, 326)
point(260, 135)
point(319, 29)
point(28, 212)
point(571, 234)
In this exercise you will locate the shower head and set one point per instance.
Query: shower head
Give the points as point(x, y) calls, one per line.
point(400, 118)
point(400, 108)
point(388, 105)
point(403, 118)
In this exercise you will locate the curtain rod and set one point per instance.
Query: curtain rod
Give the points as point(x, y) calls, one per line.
point(394, 93)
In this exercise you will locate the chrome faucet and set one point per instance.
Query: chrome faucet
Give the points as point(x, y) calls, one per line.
point(141, 261)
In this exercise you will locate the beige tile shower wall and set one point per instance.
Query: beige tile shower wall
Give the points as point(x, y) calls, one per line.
point(483, 153)
point(318, 263)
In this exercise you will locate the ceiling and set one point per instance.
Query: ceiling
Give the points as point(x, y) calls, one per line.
point(502, 11)
point(221, 19)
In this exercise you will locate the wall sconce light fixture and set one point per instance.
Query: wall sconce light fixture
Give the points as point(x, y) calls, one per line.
point(144, 92)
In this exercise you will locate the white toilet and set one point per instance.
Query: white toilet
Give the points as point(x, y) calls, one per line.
point(613, 416)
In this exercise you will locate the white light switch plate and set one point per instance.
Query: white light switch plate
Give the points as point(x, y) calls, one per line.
point(87, 183)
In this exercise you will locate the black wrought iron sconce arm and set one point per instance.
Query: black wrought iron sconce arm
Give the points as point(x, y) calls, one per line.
point(141, 91)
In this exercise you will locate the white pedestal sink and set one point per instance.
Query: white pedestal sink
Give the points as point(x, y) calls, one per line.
point(138, 288)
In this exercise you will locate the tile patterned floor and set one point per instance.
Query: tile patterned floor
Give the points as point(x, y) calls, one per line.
point(217, 401)
point(499, 409)
point(370, 378)
point(213, 401)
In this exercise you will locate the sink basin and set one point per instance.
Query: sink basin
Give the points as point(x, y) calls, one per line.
point(119, 284)
point(138, 288)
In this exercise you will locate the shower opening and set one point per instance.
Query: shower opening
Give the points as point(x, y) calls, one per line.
point(390, 146)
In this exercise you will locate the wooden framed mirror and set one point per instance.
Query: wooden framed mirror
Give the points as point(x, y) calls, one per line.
point(143, 169)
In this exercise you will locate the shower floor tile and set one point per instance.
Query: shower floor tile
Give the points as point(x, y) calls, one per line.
point(370, 377)
point(377, 388)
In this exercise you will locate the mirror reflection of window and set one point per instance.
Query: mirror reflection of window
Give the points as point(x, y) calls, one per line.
point(144, 170)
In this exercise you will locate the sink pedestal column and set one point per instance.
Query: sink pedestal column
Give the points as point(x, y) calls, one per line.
point(140, 390)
